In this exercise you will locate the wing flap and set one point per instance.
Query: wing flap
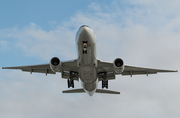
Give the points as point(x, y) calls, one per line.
point(47, 71)
point(137, 73)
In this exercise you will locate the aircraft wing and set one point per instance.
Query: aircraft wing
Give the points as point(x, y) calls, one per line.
point(129, 70)
point(45, 68)
point(133, 70)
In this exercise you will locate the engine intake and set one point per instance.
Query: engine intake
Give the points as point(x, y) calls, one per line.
point(55, 64)
point(118, 65)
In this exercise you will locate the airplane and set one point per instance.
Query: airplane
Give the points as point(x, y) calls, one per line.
point(87, 68)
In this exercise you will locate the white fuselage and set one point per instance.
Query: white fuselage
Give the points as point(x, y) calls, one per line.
point(87, 58)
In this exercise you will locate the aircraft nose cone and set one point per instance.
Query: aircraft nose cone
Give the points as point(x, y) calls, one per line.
point(85, 34)
point(85, 31)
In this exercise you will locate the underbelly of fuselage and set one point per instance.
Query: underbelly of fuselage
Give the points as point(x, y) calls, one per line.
point(88, 77)
point(87, 70)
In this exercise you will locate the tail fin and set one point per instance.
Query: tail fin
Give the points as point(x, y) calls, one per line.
point(97, 91)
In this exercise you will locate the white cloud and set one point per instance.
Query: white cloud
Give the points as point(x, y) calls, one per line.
point(36, 42)
point(94, 6)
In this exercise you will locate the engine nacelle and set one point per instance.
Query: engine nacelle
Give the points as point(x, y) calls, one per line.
point(118, 65)
point(55, 64)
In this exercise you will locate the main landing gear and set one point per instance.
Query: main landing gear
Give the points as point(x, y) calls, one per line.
point(72, 76)
point(105, 84)
point(70, 83)
point(104, 80)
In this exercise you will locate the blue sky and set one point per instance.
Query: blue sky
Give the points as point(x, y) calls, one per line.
point(22, 12)
point(142, 33)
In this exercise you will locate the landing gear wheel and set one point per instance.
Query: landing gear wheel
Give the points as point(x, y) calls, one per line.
point(104, 79)
point(70, 83)
point(105, 84)
point(73, 75)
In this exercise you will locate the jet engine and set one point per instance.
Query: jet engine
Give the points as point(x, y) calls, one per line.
point(55, 64)
point(118, 65)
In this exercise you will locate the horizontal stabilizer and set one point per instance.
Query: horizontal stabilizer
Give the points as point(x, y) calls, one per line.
point(97, 91)
point(74, 91)
point(106, 91)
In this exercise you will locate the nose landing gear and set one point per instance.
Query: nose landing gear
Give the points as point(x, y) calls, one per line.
point(70, 81)
point(84, 51)
point(85, 44)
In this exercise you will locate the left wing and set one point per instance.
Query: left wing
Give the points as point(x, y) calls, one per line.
point(45, 68)
point(129, 70)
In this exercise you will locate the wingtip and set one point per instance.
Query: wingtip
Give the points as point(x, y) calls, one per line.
point(4, 68)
